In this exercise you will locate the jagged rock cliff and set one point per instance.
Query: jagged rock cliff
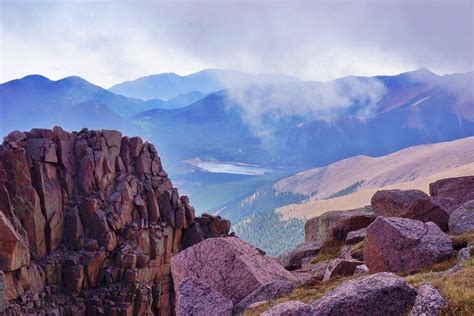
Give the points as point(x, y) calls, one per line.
point(88, 223)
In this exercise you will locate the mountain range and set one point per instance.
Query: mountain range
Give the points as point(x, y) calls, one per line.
point(72, 102)
point(167, 86)
point(277, 123)
point(312, 124)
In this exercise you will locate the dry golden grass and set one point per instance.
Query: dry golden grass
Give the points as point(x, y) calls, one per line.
point(457, 288)
point(306, 294)
point(316, 289)
point(328, 252)
point(464, 240)
point(437, 267)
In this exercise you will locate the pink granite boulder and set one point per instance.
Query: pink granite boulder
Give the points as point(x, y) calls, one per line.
point(395, 202)
point(459, 189)
point(403, 245)
point(334, 226)
point(195, 297)
point(428, 301)
point(377, 294)
point(229, 265)
point(462, 219)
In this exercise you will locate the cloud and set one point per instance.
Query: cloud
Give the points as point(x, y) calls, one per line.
point(108, 42)
point(264, 104)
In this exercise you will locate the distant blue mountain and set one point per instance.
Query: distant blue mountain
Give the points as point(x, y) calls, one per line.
point(170, 85)
point(177, 102)
point(292, 123)
point(185, 99)
point(72, 102)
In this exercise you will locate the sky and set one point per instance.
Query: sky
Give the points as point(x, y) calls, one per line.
point(107, 42)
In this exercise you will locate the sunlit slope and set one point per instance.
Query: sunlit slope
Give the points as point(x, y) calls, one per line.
point(359, 177)
point(406, 165)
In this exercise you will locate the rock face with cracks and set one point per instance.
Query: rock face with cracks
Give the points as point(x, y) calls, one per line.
point(88, 223)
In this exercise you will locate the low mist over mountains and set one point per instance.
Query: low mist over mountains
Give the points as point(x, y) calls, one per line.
point(313, 124)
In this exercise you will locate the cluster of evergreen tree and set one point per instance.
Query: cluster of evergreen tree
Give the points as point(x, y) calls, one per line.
point(270, 232)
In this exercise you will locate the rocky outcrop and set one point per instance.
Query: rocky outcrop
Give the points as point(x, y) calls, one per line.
point(228, 265)
point(89, 221)
point(428, 301)
point(195, 297)
point(265, 292)
point(335, 225)
point(462, 219)
point(294, 258)
point(205, 226)
point(404, 245)
point(213, 226)
point(377, 294)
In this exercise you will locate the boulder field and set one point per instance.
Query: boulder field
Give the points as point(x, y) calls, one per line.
point(402, 232)
point(89, 221)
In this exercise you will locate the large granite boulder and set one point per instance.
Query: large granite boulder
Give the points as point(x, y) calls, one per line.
point(462, 219)
point(334, 226)
point(429, 209)
point(459, 189)
point(265, 292)
point(428, 301)
point(395, 202)
point(402, 245)
point(414, 204)
point(195, 297)
point(293, 258)
point(377, 294)
point(228, 265)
